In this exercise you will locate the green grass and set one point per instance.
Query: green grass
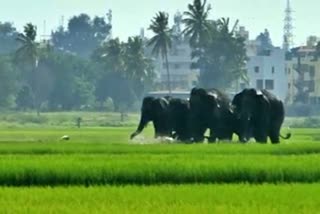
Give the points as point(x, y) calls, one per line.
point(66, 119)
point(28, 170)
point(99, 170)
point(243, 198)
point(106, 156)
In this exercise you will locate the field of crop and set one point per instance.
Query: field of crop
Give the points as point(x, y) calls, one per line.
point(101, 170)
point(242, 198)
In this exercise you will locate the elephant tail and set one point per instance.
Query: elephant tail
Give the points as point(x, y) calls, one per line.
point(288, 135)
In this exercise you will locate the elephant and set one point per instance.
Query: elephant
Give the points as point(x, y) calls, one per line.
point(179, 111)
point(259, 114)
point(210, 109)
point(155, 110)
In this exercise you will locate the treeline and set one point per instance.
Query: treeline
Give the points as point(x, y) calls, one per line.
point(77, 68)
point(81, 66)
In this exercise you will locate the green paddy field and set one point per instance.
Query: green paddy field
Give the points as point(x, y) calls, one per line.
point(99, 170)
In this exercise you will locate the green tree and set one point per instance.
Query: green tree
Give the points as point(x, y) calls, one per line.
point(113, 81)
point(28, 56)
point(138, 68)
point(82, 36)
point(8, 83)
point(8, 35)
point(223, 59)
point(161, 42)
point(197, 24)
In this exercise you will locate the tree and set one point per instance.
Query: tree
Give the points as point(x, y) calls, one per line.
point(223, 59)
point(138, 68)
point(71, 84)
point(113, 81)
point(265, 43)
point(8, 83)
point(161, 42)
point(199, 30)
point(28, 56)
point(8, 35)
point(197, 24)
point(82, 36)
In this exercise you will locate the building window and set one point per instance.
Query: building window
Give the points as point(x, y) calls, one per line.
point(260, 84)
point(312, 72)
point(176, 66)
point(273, 69)
point(289, 70)
point(256, 69)
point(289, 86)
point(164, 65)
point(311, 86)
point(242, 86)
point(269, 85)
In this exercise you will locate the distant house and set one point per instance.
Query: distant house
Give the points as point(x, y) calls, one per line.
point(182, 76)
point(305, 60)
point(266, 70)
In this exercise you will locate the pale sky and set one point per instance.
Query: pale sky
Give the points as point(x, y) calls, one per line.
point(129, 16)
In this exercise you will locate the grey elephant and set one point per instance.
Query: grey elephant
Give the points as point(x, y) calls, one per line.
point(210, 109)
point(259, 114)
point(154, 110)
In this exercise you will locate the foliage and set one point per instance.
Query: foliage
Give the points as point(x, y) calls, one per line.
point(198, 25)
point(8, 84)
point(224, 58)
point(84, 34)
point(195, 198)
point(124, 72)
point(264, 42)
point(149, 165)
point(220, 55)
point(161, 41)
point(8, 35)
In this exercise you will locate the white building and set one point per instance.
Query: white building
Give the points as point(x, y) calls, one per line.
point(267, 71)
point(181, 75)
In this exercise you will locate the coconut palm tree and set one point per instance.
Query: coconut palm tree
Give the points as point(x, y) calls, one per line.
point(161, 42)
point(28, 55)
point(197, 23)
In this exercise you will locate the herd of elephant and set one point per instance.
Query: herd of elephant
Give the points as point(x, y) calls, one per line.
point(252, 113)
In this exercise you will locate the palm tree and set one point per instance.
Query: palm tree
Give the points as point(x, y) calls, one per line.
point(161, 42)
point(139, 68)
point(28, 54)
point(198, 26)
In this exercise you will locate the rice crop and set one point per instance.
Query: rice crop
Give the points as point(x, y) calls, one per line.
point(241, 198)
point(146, 169)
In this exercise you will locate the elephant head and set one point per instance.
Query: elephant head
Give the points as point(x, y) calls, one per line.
point(248, 106)
point(155, 110)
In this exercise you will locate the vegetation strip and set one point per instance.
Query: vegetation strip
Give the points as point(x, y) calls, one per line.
point(52, 170)
point(243, 198)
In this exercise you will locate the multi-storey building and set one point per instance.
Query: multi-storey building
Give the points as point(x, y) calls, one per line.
point(266, 70)
point(182, 76)
point(303, 71)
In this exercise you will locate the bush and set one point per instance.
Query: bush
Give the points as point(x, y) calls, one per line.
point(309, 122)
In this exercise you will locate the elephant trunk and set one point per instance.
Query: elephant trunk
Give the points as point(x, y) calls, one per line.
point(142, 124)
point(245, 129)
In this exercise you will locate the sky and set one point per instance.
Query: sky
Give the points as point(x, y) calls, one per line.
point(129, 16)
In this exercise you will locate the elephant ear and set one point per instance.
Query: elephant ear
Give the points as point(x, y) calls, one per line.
point(237, 99)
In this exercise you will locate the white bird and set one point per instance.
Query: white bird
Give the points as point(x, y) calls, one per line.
point(65, 137)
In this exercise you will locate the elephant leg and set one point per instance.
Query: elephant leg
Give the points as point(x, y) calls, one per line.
point(226, 135)
point(213, 137)
point(274, 135)
point(261, 136)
